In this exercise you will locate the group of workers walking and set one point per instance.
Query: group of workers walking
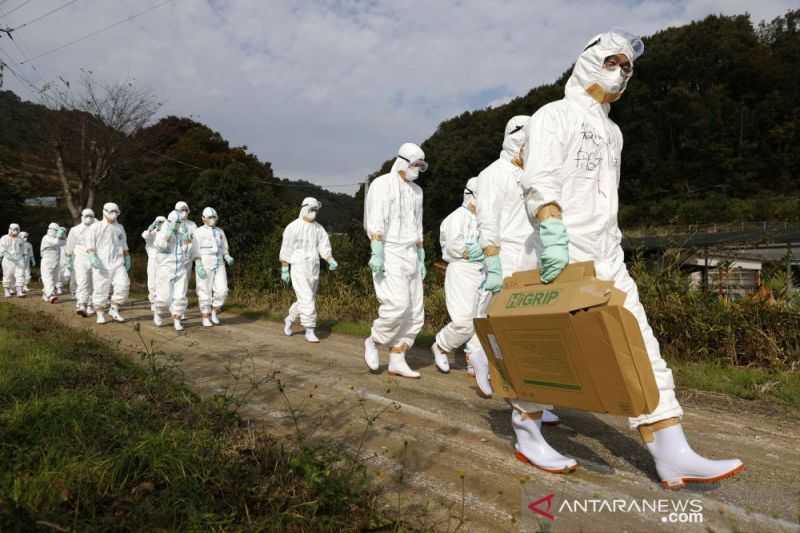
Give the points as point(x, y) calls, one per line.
point(551, 198)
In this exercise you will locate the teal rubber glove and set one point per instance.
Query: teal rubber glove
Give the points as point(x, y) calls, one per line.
point(474, 252)
point(228, 259)
point(494, 273)
point(285, 277)
point(555, 242)
point(332, 264)
point(70, 262)
point(376, 260)
point(200, 269)
point(94, 261)
point(423, 271)
point(127, 261)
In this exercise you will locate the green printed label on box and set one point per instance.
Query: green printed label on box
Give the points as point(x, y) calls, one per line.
point(526, 299)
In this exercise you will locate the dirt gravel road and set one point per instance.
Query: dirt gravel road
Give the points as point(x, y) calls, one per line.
point(437, 429)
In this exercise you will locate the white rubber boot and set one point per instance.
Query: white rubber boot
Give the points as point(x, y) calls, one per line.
point(311, 336)
point(399, 367)
point(677, 463)
point(152, 308)
point(214, 318)
point(287, 326)
point(480, 363)
point(114, 314)
point(101, 317)
point(371, 355)
point(549, 418)
point(157, 320)
point(80, 310)
point(441, 359)
point(470, 370)
point(90, 310)
point(7, 293)
point(533, 449)
point(207, 322)
point(176, 323)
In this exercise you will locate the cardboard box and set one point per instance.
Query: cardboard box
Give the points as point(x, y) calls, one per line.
point(570, 343)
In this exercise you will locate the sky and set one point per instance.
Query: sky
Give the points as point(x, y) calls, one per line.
point(327, 90)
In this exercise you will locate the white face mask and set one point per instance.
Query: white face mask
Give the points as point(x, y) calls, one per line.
point(311, 216)
point(87, 220)
point(182, 215)
point(14, 233)
point(612, 80)
point(211, 222)
point(412, 174)
point(111, 217)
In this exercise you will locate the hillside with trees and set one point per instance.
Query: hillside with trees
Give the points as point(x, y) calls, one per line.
point(711, 122)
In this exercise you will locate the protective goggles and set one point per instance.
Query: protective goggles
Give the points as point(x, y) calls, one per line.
point(313, 207)
point(112, 212)
point(419, 164)
point(469, 191)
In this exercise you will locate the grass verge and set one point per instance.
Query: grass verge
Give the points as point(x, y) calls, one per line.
point(90, 441)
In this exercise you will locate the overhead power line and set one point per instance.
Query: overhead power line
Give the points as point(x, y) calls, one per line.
point(23, 4)
point(44, 16)
point(97, 32)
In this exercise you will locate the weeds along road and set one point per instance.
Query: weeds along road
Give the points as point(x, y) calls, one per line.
point(433, 431)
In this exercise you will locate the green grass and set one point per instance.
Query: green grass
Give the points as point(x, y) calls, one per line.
point(746, 383)
point(90, 441)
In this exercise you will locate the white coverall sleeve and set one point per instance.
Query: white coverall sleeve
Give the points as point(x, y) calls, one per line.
point(376, 206)
point(4, 242)
point(542, 180)
point(418, 212)
point(324, 244)
point(452, 237)
point(489, 210)
point(161, 241)
point(124, 240)
point(69, 248)
point(90, 237)
point(225, 246)
point(286, 252)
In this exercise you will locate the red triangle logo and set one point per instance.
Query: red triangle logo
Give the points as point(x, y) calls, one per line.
point(538, 506)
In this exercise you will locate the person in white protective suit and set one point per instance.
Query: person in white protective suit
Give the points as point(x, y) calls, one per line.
point(12, 257)
point(211, 255)
point(50, 253)
point(149, 236)
point(304, 242)
point(571, 180)
point(64, 274)
point(29, 259)
point(79, 265)
point(506, 236)
point(189, 226)
point(107, 249)
point(393, 222)
point(174, 245)
point(458, 235)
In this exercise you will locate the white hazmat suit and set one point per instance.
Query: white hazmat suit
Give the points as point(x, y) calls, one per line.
point(78, 261)
point(12, 253)
point(463, 279)
point(50, 253)
point(30, 260)
point(149, 236)
point(572, 164)
point(304, 242)
point(107, 248)
point(174, 245)
point(393, 222)
point(211, 275)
